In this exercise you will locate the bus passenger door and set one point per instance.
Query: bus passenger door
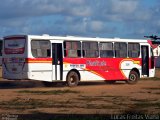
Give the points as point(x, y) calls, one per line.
point(145, 60)
point(57, 61)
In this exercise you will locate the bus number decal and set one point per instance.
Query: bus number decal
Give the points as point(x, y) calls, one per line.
point(77, 65)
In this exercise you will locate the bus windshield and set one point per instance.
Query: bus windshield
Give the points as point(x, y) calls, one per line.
point(14, 46)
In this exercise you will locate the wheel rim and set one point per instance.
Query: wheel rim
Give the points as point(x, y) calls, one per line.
point(133, 77)
point(72, 80)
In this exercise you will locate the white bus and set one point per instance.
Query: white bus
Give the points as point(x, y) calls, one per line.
point(74, 59)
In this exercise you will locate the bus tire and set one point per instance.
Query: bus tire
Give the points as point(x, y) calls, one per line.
point(133, 77)
point(72, 79)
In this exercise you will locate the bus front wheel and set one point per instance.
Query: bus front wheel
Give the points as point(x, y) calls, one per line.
point(133, 77)
point(72, 79)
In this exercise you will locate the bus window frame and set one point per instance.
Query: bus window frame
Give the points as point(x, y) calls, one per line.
point(41, 49)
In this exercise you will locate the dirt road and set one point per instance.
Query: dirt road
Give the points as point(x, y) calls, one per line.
point(31, 99)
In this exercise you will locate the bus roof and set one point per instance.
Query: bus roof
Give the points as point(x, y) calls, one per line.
point(77, 38)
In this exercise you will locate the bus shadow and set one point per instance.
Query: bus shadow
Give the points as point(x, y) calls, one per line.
point(93, 83)
point(12, 84)
point(15, 84)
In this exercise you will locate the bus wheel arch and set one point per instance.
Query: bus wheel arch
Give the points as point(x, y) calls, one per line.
point(134, 76)
point(73, 78)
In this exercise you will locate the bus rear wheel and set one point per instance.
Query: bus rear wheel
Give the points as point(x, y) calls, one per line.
point(72, 79)
point(133, 77)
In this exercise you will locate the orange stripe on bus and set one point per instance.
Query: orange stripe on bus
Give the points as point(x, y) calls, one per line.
point(39, 60)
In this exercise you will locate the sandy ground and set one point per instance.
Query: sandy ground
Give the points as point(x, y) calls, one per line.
point(31, 99)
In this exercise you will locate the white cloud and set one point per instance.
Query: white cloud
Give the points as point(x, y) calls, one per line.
point(141, 31)
point(81, 11)
point(76, 1)
point(143, 15)
point(158, 23)
point(124, 6)
point(96, 26)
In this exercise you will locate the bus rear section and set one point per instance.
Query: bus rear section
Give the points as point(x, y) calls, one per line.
point(14, 57)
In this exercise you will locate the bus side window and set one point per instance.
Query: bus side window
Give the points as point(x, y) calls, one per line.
point(41, 48)
point(120, 49)
point(72, 49)
point(106, 49)
point(90, 49)
point(133, 50)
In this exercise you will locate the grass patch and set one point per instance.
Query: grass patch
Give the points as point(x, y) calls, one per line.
point(90, 99)
point(155, 90)
point(51, 92)
point(140, 100)
point(110, 96)
point(108, 101)
point(148, 104)
point(101, 106)
point(152, 88)
point(98, 98)
point(102, 102)
point(153, 78)
point(142, 107)
point(145, 103)
point(22, 104)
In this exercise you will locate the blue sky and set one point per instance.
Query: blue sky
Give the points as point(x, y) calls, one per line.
point(90, 18)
